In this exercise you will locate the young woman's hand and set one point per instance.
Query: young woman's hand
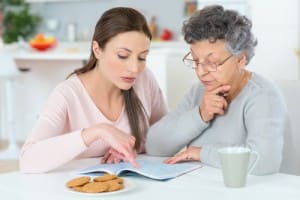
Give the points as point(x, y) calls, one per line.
point(113, 156)
point(212, 103)
point(117, 139)
point(191, 153)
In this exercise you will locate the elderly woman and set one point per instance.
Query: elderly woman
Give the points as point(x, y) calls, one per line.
point(230, 106)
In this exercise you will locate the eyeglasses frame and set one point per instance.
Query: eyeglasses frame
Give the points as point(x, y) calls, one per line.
point(198, 63)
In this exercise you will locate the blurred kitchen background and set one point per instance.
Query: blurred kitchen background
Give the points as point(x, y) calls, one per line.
point(24, 92)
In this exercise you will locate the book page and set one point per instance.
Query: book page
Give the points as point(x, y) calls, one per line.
point(154, 169)
point(107, 168)
point(161, 171)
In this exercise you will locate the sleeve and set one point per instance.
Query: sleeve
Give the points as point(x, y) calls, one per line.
point(265, 119)
point(177, 129)
point(48, 147)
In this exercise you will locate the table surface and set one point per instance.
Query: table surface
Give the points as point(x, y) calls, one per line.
point(203, 183)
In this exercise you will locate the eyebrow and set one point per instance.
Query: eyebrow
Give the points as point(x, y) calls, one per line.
point(126, 49)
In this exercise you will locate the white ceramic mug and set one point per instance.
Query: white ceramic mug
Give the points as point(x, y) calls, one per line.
point(235, 165)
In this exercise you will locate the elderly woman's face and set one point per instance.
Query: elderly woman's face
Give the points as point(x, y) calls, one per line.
point(215, 65)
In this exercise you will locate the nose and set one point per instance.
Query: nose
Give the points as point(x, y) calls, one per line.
point(201, 70)
point(134, 66)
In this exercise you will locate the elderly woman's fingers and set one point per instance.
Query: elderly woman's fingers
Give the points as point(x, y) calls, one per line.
point(178, 158)
point(221, 90)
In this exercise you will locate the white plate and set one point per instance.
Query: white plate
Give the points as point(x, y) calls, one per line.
point(128, 185)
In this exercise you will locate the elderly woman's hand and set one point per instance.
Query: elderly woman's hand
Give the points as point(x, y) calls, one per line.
point(191, 153)
point(212, 103)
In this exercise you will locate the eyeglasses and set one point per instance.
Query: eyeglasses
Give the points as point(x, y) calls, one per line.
point(207, 66)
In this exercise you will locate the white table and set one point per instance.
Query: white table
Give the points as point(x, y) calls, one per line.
point(204, 183)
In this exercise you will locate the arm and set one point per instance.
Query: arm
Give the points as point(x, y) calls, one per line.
point(45, 148)
point(266, 124)
point(265, 117)
point(50, 145)
point(178, 128)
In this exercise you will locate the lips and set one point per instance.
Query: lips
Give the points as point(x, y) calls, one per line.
point(128, 79)
point(206, 83)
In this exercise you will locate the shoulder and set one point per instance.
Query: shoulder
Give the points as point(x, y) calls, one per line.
point(68, 88)
point(146, 82)
point(259, 85)
point(191, 98)
point(197, 88)
point(195, 93)
point(264, 94)
point(148, 91)
point(146, 77)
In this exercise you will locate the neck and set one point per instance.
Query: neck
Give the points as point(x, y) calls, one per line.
point(99, 87)
point(238, 85)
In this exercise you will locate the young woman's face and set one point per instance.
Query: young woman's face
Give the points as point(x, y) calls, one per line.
point(123, 58)
point(214, 54)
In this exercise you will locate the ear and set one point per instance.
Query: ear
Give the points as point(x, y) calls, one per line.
point(242, 61)
point(96, 49)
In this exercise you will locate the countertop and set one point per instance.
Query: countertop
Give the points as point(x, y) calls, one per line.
point(80, 50)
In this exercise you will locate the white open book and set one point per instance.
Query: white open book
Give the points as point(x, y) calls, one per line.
point(154, 169)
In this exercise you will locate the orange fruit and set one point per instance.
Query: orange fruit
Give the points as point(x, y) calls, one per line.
point(39, 37)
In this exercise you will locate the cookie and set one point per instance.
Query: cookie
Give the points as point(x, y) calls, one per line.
point(105, 183)
point(114, 186)
point(95, 187)
point(78, 189)
point(106, 177)
point(78, 181)
point(119, 180)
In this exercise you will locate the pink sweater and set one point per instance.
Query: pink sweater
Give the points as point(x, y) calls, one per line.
point(56, 137)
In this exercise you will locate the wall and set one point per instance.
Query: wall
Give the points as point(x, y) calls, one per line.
point(276, 25)
point(85, 13)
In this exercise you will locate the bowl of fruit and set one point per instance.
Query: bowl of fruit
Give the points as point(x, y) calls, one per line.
point(42, 43)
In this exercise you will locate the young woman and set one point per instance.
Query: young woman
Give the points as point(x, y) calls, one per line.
point(230, 106)
point(103, 108)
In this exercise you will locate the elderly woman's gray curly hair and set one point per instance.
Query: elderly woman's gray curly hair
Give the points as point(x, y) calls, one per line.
point(214, 23)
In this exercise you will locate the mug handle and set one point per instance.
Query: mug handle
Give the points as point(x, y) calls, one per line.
point(254, 162)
